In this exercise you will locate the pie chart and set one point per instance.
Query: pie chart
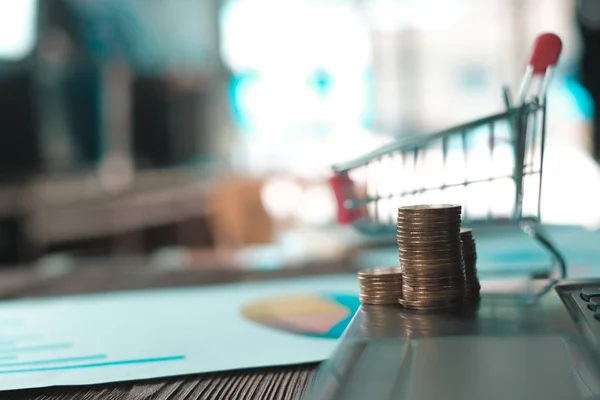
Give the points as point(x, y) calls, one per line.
point(315, 315)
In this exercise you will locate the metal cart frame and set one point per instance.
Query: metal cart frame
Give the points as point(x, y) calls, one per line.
point(370, 205)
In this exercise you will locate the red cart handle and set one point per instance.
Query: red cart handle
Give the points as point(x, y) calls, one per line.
point(546, 51)
point(343, 189)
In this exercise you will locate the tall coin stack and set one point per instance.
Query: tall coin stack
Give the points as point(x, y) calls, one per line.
point(433, 273)
point(472, 286)
point(380, 285)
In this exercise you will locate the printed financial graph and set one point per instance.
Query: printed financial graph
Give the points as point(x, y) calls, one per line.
point(134, 335)
point(323, 315)
point(23, 350)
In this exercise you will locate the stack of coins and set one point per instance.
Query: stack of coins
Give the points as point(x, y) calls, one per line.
point(380, 285)
point(472, 286)
point(433, 274)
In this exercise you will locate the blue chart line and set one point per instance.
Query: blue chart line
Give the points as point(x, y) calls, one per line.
point(94, 365)
point(54, 361)
point(43, 347)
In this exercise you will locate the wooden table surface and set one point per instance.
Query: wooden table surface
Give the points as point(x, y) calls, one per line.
point(286, 383)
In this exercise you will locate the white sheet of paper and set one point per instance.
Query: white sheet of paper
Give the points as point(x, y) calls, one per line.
point(123, 336)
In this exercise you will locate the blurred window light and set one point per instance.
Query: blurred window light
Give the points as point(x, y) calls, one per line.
point(391, 15)
point(317, 206)
point(472, 77)
point(17, 28)
point(571, 176)
point(571, 102)
point(293, 37)
point(302, 70)
point(494, 197)
point(281, 197)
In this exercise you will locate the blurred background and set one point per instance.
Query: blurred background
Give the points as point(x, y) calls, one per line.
point(194, 133)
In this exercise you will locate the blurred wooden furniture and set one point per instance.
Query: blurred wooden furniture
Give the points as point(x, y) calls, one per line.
point(238, 215)
point(159, 208)
point(76, 210)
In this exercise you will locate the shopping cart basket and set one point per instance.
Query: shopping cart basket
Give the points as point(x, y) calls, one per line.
point(492, 166)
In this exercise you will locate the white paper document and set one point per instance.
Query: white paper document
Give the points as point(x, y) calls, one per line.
point(123, 336)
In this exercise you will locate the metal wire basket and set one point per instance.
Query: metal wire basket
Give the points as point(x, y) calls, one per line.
point(491, 166)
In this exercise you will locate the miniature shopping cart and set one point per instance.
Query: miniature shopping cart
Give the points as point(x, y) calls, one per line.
point(492, 166)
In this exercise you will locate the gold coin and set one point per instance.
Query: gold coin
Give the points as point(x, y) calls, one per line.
point(432, 230)
point(382, 278)
point(434, 251)
point(450, 274)
point(434, 294)
point(380, 283)
point(409, 263)
point(380, 271)
point(423, 266)
point(431, 280)
point(437, 248)
point(428, 217)
point(380, 287)
point(428, 237)
point(403, 220)
point(433, 257)
point(431, 208)
point(447, 275)
point(442, 264)
point(429, 240)
point(430, 244)
point(416, 219)
point(432, 291)
point(453, 275)
point(420, 231)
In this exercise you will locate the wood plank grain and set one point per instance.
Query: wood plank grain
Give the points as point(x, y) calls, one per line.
point(279, 383)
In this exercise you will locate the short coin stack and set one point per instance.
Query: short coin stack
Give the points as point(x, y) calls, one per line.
point(472, 285)
point(380, 285)
point(433, 274)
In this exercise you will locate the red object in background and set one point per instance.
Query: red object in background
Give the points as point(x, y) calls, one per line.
point(546, 51)
point(343, 189)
